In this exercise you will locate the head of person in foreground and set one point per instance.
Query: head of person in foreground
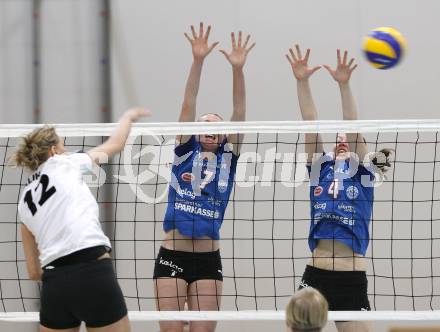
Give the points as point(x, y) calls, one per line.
point(307, 311)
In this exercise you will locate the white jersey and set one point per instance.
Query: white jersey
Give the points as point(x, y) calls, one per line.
point(58, 208)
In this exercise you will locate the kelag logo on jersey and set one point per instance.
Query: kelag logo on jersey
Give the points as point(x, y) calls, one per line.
point(320, 206)
point(185, 193)
point(352, 192)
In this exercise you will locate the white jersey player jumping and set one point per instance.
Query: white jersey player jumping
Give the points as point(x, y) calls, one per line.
point(63, 242)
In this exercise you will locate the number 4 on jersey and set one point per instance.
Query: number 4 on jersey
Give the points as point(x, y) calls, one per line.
point(45, 194)
point(333, 189)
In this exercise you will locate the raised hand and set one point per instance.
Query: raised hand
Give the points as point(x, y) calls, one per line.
point(299, 65)
point(343, 70)
point(199, 42)
point(136, 113)
point(237, 57)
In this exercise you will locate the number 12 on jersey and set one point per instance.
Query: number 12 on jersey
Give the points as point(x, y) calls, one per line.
point(46, 193)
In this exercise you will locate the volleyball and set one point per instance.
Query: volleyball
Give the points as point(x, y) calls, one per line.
point(384, 47)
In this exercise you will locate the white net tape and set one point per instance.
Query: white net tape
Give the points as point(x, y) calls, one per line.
point(194, 128)
point(249, 315)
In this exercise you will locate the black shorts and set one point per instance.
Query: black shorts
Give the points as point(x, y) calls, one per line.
point(87, 292)
point(344, 290)
point(189, 266)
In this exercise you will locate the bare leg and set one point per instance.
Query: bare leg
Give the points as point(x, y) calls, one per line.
point(123, 325)
point(204, 295)
point(170, 296)
point(45, 329)
point(355, 326)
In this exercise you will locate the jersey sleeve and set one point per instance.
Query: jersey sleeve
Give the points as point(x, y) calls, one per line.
point(82, 160)
point(232, 163)
point(21, 214)
point(227, 146)
point(323, 165)
point(186, 147)
point(362, 170)
point(234, 160)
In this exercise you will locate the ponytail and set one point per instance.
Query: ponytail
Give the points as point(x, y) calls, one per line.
point(34, 149)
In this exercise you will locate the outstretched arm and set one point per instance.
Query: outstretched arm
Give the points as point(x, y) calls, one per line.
point(200, 49)
point(116, 142)
point(342, 75)
point(302, 72)
point(237, 58)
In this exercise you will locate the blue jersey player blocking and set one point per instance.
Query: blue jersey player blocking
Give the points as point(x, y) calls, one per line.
point(341, 197)
point(188, 267)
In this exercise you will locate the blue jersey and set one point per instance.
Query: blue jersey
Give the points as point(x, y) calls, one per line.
point(199, 190)
point(341, 205)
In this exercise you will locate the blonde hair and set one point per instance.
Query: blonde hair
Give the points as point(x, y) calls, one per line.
point(34, 149)
point(307, 311)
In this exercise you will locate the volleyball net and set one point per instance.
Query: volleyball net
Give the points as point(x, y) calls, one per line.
point(264, 237)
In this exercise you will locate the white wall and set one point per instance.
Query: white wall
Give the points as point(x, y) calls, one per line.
point(70, 61)
point(152, 58)
point(15, 62)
